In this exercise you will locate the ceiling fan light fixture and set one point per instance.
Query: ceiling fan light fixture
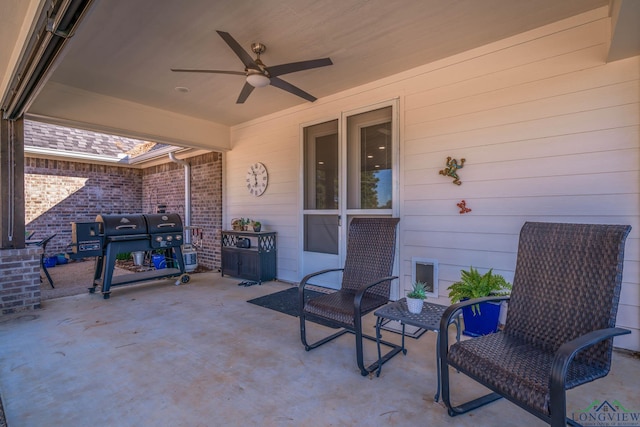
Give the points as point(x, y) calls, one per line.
point(258, 80)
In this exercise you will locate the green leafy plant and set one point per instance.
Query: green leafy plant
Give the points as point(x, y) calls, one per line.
point(418, 291)
point(472, 285)
point(123, 256)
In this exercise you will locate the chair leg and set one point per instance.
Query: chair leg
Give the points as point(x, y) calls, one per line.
point(359, 350)
point(46, 272)
point(375, 366)
point(364, 370)
point(303, 332)
point(559, 406)
point(303, 335)
point(446, 395)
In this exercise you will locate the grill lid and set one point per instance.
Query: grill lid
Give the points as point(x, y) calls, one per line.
point(163, 223)
point(124, 224)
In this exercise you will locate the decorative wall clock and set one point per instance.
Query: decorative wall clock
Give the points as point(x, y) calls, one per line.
point(257, 179)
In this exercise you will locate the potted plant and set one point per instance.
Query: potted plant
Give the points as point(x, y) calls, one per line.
point(482, 318)
point(416, 297)
point(257, 226)
point(241, 224)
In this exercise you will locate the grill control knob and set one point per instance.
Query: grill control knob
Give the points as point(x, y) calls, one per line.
point(158, 238)
point(169, 238)
point(178, 237)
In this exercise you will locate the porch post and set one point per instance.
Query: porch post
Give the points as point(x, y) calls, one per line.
point(19, 265)
point(12, 184)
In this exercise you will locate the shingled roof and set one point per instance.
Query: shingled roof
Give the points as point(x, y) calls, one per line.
point(46, 138)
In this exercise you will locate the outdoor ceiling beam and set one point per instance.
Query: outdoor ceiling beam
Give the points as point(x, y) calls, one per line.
point(55, 26)
point(625, 31)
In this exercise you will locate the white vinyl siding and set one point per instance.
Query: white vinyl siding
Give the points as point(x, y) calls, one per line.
point(550, 132)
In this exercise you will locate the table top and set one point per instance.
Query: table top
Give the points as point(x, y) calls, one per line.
point(428, 318)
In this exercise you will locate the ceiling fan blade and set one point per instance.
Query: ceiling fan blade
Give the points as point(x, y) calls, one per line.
point(244, 93)
point(279, 83)
point(244, 56)
point(278, 70)
point(184, 70)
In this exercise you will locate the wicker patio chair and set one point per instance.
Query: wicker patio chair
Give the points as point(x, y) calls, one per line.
point(366, 282)
point(560, 322)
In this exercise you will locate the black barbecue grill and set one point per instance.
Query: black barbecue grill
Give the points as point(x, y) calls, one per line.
point(129, 233)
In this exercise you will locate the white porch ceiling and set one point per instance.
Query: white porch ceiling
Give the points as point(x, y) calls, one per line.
point(114, 74)
point(125, 49)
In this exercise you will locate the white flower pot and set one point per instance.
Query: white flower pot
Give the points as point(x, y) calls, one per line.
point(414, 305)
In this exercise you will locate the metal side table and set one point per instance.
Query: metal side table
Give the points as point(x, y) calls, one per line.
point(428, 319)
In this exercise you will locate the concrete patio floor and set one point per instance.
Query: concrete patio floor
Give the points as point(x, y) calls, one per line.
point(200, 355)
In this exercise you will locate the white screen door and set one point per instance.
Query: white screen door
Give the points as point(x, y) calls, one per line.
point(321, 210)
point(349, 171)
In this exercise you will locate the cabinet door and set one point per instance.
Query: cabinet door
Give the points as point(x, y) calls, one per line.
point(250, 265)
point(230, 262)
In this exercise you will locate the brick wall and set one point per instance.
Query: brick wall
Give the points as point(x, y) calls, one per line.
point(58, 192)
point(164, 185)
point(19, 279)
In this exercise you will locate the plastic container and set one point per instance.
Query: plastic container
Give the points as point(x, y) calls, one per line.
point(61, 259)
point(159, 262)
point(50, 261)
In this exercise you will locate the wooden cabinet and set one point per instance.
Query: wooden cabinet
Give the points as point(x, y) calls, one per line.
point(257, 262)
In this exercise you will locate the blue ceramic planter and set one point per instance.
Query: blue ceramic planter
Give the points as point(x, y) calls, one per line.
point(481, 324)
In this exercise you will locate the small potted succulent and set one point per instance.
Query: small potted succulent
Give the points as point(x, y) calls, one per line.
point(257, 226)
point(416, 297)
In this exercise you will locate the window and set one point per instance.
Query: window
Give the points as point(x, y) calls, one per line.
point(369, 160)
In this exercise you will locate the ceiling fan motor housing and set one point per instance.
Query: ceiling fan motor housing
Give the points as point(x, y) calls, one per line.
point(258, 48)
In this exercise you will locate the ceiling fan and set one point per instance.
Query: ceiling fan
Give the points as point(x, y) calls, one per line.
point(259, 75)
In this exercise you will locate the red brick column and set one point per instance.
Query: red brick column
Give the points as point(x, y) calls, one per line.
point(19, 279)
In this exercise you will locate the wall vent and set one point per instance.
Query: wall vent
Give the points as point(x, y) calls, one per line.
point(425, 270)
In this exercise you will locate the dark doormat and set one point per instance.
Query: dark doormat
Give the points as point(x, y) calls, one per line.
point(287, 302)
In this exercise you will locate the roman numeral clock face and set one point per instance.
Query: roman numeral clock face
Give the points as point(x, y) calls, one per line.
point(257, 179)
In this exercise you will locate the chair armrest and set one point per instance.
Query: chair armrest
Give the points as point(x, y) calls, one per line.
point(567, 351)
point(306, 278)
point(357, 300)
point(453, 310)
